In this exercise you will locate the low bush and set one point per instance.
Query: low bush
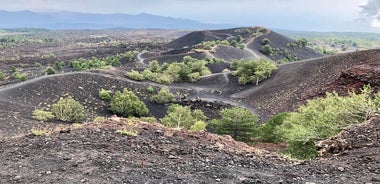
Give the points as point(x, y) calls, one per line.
point(49, 70)
point(104, 95)
point(198, 126)
point(163, 96)
point(126, 104)
point(19, 76)
point(42, 115)
point(69, 110)
point(150, 89)
point(2, 76)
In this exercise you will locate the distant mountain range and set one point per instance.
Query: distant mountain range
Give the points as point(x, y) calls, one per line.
point(74, 20)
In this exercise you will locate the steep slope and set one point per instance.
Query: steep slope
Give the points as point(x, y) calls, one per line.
point(293, 83)
point(283, 47)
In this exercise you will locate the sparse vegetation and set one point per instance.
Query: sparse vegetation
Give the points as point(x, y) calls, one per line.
point(127, 104)
point(68, 109)
point(41, 131)
point(42, 115)
point(19, 76)
point(252, 70)
point(131, 133)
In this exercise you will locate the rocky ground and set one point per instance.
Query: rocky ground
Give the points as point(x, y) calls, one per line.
point(96, 153)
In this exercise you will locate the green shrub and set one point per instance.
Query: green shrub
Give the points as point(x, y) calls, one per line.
point(268, 132)
point(240, 123)
point(58, 65)
point(19, 76)
point(325, 117)
point(198, 126)
point(301, 150)
point(116, 63)
point(2, 76)
point(265, 41)
point(267, 49)
point(126, 104)
point(150, 89)
point(104, 95)
point(135, 75)
point(69, 110)
point(181, 117)
point(49, 71)
point(163, 96)
point(42, 115)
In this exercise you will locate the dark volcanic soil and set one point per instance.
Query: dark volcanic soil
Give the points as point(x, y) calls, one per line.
point(95, 153)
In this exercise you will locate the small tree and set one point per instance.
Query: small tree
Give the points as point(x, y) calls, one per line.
point(163, 96)
point(302, 42)
point(181, 117)
point(240, 123)
point(69, 110)
point(126, 104)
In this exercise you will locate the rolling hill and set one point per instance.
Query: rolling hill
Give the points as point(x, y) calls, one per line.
point(244, 43)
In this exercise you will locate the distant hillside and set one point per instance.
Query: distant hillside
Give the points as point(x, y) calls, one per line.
point(249, 42)
point(73, 20)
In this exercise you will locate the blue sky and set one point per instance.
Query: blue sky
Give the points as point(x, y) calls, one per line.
point(317, 15)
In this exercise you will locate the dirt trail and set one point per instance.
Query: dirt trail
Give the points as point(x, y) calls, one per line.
point(141, 59)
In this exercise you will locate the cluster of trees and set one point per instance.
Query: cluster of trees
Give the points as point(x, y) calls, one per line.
point(209, 45)
point(96, 63)
point(252, 70)
point(189, 70)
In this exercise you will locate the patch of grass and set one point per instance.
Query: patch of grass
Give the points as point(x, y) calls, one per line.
point(42, 115)
point(41, 131)
point(132, 133)
point(99, 119)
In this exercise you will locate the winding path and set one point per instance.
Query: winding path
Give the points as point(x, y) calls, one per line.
point(141, 59)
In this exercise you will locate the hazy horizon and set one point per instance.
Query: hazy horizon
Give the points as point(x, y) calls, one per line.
point(306, 15)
